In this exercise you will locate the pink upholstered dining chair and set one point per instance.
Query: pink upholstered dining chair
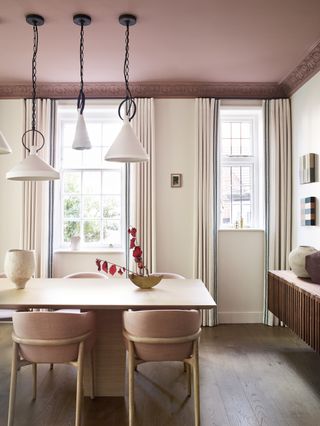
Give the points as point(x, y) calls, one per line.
point(82, 275)
point(51, 337)
point(163, 335)
point(5, 314)
point(168, 275)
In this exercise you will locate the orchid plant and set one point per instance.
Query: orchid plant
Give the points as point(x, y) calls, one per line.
point(113, 268)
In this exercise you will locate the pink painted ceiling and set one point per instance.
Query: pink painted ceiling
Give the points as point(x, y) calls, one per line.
point(174, 40)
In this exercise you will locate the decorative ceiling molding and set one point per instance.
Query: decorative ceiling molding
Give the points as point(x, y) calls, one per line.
point(150, 89)
point(307, 68)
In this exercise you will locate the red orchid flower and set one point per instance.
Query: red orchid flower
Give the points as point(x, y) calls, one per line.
point(137, 252)
point(112, 269)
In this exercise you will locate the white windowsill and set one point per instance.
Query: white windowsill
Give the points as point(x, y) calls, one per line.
point(241, 229)
point(89, 251)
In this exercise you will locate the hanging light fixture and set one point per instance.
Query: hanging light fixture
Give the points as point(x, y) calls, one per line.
point(4, 146)
point(33, 167)
point(127, 148)
point(81, 138)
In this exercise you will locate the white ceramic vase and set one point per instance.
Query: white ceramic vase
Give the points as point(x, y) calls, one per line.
point(297, 260)
point(19, 266)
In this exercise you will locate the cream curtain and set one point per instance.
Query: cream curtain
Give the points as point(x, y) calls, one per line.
point(205, 227)
point(142, 185)
point(35, 226)
point(278, 155)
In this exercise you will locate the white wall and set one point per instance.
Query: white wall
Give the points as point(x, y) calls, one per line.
point(175, 151)
point(306, 139)
point(11, 125)
point(240, 276)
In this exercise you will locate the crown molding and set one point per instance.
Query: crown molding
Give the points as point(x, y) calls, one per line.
point(148, 89)
point(306, 69)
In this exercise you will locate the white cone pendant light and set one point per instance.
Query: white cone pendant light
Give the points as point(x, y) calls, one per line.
point(127, 148)
point(81, 138)
point(4, 146)
point(33, 167)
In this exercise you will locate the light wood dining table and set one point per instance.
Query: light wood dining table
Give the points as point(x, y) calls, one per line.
point(108, 298)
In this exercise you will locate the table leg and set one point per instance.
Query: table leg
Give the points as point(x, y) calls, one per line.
point(109, 356)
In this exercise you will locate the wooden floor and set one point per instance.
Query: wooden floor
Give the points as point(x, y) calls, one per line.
point(250, 375)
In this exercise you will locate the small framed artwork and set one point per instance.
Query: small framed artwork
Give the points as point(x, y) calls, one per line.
point(307, 168)
point(176, 180)
point(308, 211)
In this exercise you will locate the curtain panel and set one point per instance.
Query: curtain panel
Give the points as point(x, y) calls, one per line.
point(278, 203)
point(142, 183)
point(206, 183)
point(36, 195)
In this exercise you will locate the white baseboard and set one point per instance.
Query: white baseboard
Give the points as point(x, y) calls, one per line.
point(240, 317)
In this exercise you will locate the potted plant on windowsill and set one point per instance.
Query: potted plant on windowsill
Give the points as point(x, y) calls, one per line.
point(141, 279)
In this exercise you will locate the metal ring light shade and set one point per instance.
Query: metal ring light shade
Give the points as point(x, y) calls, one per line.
point(33, 168)
point(81, 139)
point(126, 148)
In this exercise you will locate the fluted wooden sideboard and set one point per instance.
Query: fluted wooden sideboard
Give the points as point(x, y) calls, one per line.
point(296, 302)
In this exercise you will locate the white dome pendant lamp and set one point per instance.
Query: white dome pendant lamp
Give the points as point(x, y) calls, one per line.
point(4, 146)
point(33, 167)
point(126, 148)
point(81, 138)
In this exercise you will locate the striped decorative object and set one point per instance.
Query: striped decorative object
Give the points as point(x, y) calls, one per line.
point(307, 168)
point(308, 211)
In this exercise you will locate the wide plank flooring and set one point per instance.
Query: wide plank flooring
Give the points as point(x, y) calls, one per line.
point(250, 375)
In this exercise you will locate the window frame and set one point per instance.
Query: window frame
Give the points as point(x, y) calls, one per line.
point(241, 114)
point(96, 111)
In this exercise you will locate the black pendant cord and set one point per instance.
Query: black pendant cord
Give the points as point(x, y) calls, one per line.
point(81, 97)
point(33, 130)
point(128, 101)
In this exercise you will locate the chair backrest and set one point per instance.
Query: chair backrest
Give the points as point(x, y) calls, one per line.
point(175, 324)
point(86, 275)
point(168, 275)
point(54, 327)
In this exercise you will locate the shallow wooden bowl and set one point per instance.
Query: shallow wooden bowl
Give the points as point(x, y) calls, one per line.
point(144, 281)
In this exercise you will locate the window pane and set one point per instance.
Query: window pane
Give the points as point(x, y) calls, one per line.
point(70, 229)
point(235, 130)
point(92, 158)
point(91, 231)
point(111, 183)
point(246, 147)
point(68, 131)
point(246, 176)
point(72, 182)
point(71, 158)
point(111, 232)
point(246, 130)
point(72, 207)
point(226, 147)
point(246, 193)
point(111, 206)
point(235, 148)
point(226, 213)
point(226, 130)
point(95, 134)
point(91, 183)
point(91, 207)
point(246, 214)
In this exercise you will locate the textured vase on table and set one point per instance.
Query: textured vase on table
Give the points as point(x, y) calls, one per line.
point(297, 260)
point(19, 266)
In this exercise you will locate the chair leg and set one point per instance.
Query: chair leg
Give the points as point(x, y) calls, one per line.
point(196, 388)
point(79, 384)
point(34, 384)
point(91, 375)
point(131, 366)
point(189, 368)
point(51, 366)
point(13, 384)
